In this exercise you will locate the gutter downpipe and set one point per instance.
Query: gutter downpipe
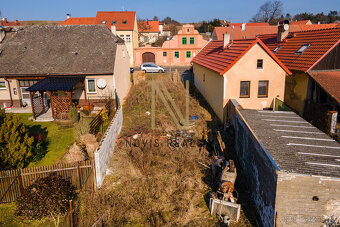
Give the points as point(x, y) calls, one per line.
point(10, 93)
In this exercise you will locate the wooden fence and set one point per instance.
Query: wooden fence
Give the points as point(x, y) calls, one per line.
point(97, 121)
point(13, 182)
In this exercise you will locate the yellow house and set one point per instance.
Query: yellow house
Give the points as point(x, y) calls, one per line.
point(245, 70)
point(121, 23)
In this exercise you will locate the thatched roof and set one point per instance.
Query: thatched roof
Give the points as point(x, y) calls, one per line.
point(58, 50)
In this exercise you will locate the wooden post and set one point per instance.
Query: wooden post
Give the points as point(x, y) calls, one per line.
point(84, 87)
point(32, 104)
point(21, 182)
point(50, 93)
point(79, 176)
point(71, 213)
point(42, 100)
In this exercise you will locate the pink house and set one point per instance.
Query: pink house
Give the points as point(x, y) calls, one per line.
point(178, 51)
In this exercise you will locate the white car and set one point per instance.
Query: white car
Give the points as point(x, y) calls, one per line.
point(151, 68)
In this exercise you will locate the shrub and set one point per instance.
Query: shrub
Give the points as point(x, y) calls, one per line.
point(2, 116)
point(73, 114)
point(15, 143)
point(82, 128)
point(47, 196)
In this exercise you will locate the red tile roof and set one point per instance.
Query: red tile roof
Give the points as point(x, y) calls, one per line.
point(321, 42)
point(213, 56)
point(301, 22)
point(78, 20)
point(250, 24)
point(148, 26)
point(108, 17)
point(4, 22)
point(252, 31)
point(119, 16)
point(329, 81)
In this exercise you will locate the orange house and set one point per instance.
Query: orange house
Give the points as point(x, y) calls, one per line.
point(178, 51)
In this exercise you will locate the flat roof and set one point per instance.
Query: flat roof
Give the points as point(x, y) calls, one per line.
point(293, 143)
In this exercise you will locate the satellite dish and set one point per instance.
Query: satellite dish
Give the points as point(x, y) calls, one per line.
point(101, 83)
point(286, 27)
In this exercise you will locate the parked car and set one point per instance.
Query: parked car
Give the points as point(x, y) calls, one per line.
point(132, 70)
point(151, 68)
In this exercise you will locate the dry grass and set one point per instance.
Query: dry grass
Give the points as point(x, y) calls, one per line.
point(152, 184)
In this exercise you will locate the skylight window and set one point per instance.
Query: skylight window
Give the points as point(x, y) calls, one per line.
point(103, 21)
point(114, 22)
point(124, 21)
point(302, 49)
point(276, 49)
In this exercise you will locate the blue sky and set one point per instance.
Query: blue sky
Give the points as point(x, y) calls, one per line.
point(181, 10)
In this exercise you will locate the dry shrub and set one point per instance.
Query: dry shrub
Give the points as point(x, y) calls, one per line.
point(89, 142)
point(75, 154)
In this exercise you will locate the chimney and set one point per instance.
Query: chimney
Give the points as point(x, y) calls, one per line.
point(68, 16)
point(283, 30)
point(4, 20)
point(114, 29)
point(243, 26)
point(226, 39)
point(16, 21)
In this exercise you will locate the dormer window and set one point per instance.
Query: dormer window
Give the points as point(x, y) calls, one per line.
point(302, 49)
point(124, 21)
point(103, 21)
point(276, 49)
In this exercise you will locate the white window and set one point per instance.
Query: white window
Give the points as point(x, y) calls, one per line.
point(122, 37)
point(2, 85)
point(128, 38)
point(91, 86)
point(302, 49)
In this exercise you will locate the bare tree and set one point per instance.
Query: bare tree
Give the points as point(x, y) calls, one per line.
point(155, 18)
point(269, 12)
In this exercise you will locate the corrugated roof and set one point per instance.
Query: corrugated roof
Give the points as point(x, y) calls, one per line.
point(58, 50)
point(213, 56)
point(329, 81)
point(148, 26)
point(320, 41)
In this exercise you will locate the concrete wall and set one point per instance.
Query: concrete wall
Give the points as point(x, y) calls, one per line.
point(255, 168)
point(106, 147)
point(296, 91)
point(121, 73)
point(246, 70)
point(211, 88)
point(294, 199)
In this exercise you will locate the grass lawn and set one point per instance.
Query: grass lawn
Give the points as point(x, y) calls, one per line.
point(58, 139)
point(8, 218)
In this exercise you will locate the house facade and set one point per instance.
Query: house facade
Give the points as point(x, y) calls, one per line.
point(244, 70)
point(122, 23)
point(178, 51)
point(62, 66)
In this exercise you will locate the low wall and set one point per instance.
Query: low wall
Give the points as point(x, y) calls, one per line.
point(256, 169)
point(106, 147)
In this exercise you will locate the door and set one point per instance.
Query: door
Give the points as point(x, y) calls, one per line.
point(25, 96)
point(148, 57)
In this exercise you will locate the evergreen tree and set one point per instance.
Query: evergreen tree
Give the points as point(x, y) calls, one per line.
point(15, 143)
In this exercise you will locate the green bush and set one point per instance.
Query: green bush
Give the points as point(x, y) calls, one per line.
point(82, 127)
point(15, 143)
point(47, 196)
point(2, 116)
point(73, 114)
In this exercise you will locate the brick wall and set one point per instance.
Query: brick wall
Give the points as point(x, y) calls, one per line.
point(294, 199)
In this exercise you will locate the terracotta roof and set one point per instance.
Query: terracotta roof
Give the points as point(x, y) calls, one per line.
point(148, 26)
point(301, 22)
point(125, 20)
point(250, 24)
point(78, 21)
point(320, 41)
point(213, 56)
point(329, 81)
point(4, 22)
point(251, 32)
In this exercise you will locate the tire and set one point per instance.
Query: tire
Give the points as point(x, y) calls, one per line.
point(160, 71)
